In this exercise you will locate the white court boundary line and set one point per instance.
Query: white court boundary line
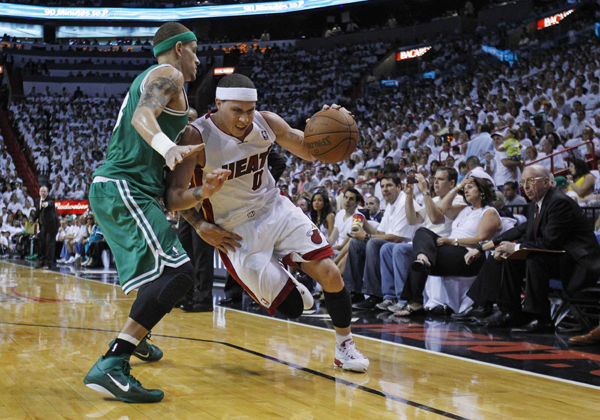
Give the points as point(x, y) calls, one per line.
point(539, 375)
point(406, 346)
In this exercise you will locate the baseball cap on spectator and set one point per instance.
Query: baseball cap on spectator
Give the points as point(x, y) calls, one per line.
point(481, 174)
point(561, 181)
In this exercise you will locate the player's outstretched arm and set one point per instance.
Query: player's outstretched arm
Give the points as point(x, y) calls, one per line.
point(162, 86)
point(289, 138)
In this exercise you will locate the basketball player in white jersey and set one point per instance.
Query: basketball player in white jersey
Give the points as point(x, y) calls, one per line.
point(251, 224)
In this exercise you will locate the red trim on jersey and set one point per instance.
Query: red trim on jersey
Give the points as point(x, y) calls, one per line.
point(284, 194)
point(208, 211)
point(317, 254)
point(287, 260)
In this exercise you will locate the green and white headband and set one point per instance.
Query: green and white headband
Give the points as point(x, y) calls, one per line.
point(169, 43)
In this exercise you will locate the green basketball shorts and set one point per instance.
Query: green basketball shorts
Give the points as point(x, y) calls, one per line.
point(137, 231)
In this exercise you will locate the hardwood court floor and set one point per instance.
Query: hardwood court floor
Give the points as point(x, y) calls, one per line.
point(233, 365)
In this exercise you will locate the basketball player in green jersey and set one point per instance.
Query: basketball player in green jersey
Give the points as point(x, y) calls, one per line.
point(124, 198)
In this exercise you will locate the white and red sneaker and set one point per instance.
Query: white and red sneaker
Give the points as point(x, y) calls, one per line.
point(348, 357)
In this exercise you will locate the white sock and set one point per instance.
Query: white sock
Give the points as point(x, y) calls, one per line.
point(129, 338)
point(339, 339)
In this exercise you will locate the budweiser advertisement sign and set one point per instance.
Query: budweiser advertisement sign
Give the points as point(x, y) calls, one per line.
point(407, 55)
point(72, 207)
point(553, 20)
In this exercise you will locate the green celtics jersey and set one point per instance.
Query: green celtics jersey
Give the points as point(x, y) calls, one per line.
point(129, 157)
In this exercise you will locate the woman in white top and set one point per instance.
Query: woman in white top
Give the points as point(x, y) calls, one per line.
point(439, 256)
point(321, 212)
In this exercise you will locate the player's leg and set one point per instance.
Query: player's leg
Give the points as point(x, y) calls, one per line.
point(339, 306)
point(111, 374)
point(302, 243)
point(149, 258)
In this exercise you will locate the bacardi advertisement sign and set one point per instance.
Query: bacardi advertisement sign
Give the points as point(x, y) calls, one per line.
point(407, 55)
point(553, 20)
point(72, 207)
point(221, 71)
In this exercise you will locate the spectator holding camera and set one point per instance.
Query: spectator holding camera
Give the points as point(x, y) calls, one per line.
point(395, 257)
point(362, 273)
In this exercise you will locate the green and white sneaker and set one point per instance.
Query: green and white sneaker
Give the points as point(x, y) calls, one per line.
point(110, 375)
point(145, 351)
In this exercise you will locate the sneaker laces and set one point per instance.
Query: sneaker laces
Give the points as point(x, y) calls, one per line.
point(350, 349)
point(127, 373)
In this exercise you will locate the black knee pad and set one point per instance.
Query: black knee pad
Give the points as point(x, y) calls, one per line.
point(339, 306)
point(157, 298)
point(175, 285)
point(292, 306)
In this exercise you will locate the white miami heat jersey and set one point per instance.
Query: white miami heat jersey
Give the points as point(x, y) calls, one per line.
point(250, 187)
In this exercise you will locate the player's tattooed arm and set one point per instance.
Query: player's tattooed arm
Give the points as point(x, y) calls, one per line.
point(158, 93)
point(193, 217)
point(162, 86)
point(197, 193)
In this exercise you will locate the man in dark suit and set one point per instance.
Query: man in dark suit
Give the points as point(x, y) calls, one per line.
point(48, 220)
point(375, 214)
point(555, 222)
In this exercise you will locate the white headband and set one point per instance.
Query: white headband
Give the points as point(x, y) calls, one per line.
point(237, 94)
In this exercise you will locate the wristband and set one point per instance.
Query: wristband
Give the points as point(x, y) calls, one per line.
point(162, 144)
point(427, 193)
point(480, 246)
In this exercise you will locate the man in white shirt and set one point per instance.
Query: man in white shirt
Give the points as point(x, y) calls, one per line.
point(376, 160)
point(339, 239)
point(566, 130)
point(499, 166)
point(362, 273)
point(482, 144)
point(395, 257)
point(580, 124)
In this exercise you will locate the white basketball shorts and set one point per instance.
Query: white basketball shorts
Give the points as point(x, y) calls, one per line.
point(283, 233)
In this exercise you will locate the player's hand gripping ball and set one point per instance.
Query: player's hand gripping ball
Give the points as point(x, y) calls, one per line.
point(331, 135)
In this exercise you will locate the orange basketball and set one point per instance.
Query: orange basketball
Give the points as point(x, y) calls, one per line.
point(331, 136)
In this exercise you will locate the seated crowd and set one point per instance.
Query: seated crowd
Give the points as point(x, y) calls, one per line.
point(427, 249)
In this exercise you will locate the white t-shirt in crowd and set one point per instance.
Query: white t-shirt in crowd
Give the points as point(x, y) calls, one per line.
point(343, 226)
point(443, 229)
point(502, 174)
point(394, 219)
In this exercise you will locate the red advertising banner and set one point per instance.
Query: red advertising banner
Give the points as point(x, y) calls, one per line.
point(553, 20)
point(407, 55)
point(72, 207)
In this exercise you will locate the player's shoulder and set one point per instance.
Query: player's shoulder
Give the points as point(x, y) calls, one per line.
point(276, 122)
point(169, 73)
point(191, 136)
